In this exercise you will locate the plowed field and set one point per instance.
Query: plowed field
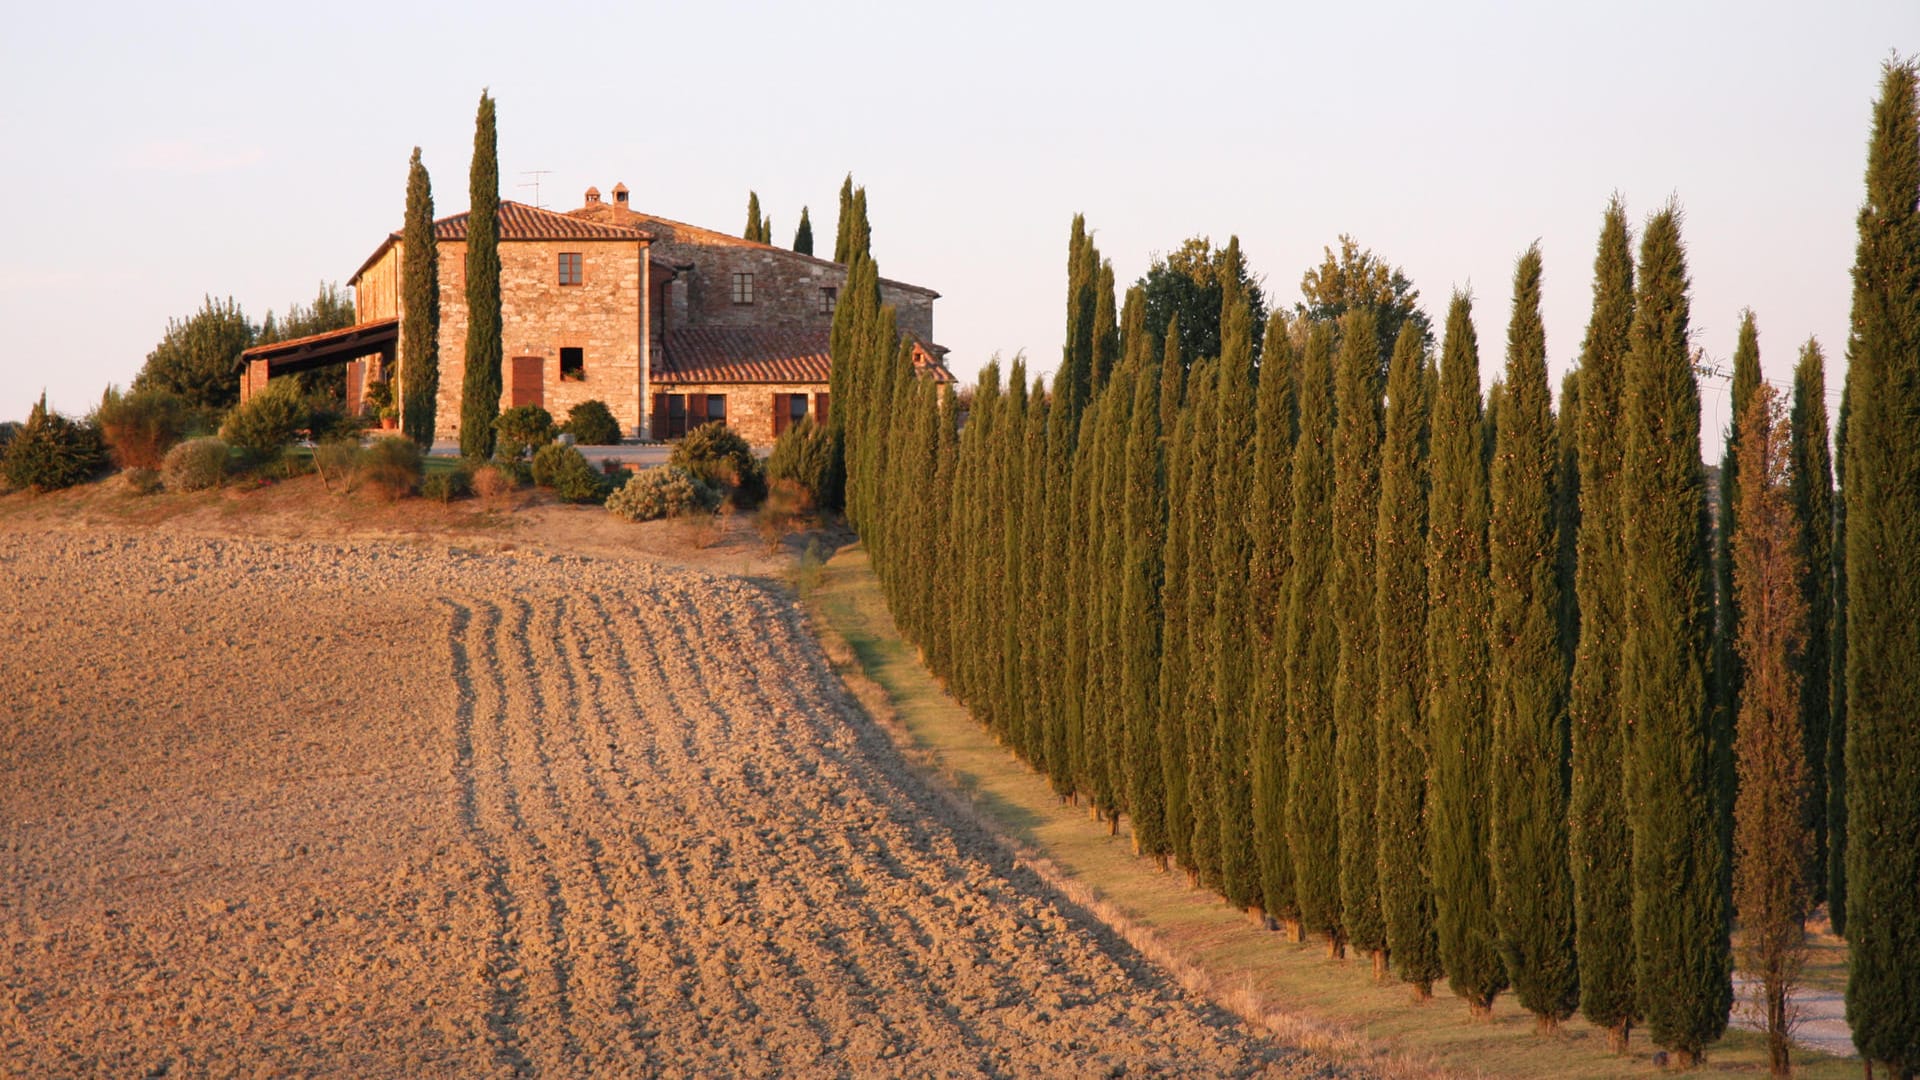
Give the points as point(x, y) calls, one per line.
point(382, 810)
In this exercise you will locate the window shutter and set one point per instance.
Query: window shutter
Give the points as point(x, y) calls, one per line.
point(779, 414)
point(820, 408)
point(659, 416)
point(696, 410)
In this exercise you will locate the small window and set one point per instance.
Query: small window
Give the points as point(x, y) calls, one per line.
point(573, 365)
point(827, 296)
point(570, 268)
point(796, 407)
point(743, 288)
point(717, 408)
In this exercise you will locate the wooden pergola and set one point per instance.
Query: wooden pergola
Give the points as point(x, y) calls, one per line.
point(333, 348)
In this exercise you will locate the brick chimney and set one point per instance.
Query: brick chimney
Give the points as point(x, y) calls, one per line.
point(593, 196)
point(620, 196)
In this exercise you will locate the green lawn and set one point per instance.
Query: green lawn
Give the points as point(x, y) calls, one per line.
point(1328, 1006)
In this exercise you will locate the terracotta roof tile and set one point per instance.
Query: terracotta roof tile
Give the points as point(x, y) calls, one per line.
point(708, 354)
point(518, 221)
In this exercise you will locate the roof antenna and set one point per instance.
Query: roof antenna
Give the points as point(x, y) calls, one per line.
point(535, 185)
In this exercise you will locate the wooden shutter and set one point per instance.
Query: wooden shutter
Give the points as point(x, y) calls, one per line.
point(696, 410)
point(659, 416)
point(820, 408)
point(779, 414)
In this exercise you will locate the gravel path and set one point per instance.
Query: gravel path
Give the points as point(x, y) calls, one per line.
point(290, 808)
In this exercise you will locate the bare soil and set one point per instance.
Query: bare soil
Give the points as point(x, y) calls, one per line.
point(367, 807)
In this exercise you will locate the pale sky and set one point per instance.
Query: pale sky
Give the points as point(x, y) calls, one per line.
point(156, 153)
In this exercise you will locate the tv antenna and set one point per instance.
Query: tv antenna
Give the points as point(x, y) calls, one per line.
point(535, 184)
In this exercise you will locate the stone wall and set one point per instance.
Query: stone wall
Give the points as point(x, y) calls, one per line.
point(749, 405)
point(786, 289)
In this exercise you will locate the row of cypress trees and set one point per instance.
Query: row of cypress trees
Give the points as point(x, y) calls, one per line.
point(1437, 675)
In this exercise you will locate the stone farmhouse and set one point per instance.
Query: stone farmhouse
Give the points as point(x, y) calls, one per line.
point(671, 325)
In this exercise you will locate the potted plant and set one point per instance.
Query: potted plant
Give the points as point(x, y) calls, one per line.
point(379, 402)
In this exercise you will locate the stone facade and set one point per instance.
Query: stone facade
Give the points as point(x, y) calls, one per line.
point(750, 407)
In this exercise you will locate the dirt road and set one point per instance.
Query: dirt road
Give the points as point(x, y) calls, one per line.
point(285, 808)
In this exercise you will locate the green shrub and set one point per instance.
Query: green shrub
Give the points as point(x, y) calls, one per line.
point(50, 451)
point(719, 455)
point(267, 423)
point(666, 491)
point(446, 486)
point(491, 481)
point(379, 397)
point(336, 462)
point(575, 480)
point(8, 429)
point(803, 455)
point(329, 421)
point(591, 423)
point(546, 463)
point(140, 427)
point(520, 429)
point(142, 481)
point(195, 465)
point(391, 466)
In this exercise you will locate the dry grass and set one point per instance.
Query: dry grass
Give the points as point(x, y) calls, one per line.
point(1325, 1006)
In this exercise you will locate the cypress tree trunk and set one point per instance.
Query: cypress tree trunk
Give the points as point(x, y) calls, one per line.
point(1233, 659)
point(1457, 728)
point(1773, 845)
point(1597, 822)
point(1356, 683)
point(1679, 905)
point(1276, 428)
point(1883, 585)
point(1532, 886)
point(480, 378)
point(1400, 598)
point(1811, 479)
point(1145, 524)
point(420, 318)
point(1313, 819)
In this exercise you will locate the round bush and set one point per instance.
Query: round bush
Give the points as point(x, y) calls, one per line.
point(666, 491)
point(719, 455)
point(575, 479)
point(195, 465)
point(266, 423)
point(446, 486)
point(142, 481)
point(50, 451)
point(547, 461)
point(391, 466)
point(803, 455)
point(140, 427)
point(522, 428)
point(591, 423)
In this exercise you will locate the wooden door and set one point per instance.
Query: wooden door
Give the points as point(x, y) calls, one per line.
point(527, 387)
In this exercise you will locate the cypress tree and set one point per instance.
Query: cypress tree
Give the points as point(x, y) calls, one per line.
point(1459, 739)
point(1356, 684)
point(859, 228)
point(1061, 540)
point(1679, 905)
point(942, 618)
point(1145, 528)
point(1313, 820)
point(1837, 688)
point(1883, 585)
point(1106, 329)
point(1176, 657)
point(1272, 561)
point(755, 226)
point(843, 235)
point(1773, 843)
point(1079, 579)
point(1109, 790)
point(1233, 657)
point(803, 236)
point(1532, 887)
point(1033, 516)
point(480, 378)
point(1811, 491)
point(1726, 659)
point(1566, 438)
point(420, 318)
point(1009, 680)
point(1196, 710)
point(1400, 598)
point(1597, 822)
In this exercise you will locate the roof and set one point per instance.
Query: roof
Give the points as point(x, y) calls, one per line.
point(707, 354)
point(517, 221)
point(320, 350)
point(669, 231)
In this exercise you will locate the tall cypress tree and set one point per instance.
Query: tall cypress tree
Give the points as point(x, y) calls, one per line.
point(1233, 657)
point(1109, 791)
point(1079, 602)
point(1457, 729)
point(1532, 887)
point(1726, 659)
point(1356, 681)
point(420, 316)
point(480, 379)
point(1029, 739)
point(1313, 815)
point(1144, 521)
point(1811, 493)
point(1400, 599)
point(1566, 438)
point(755, 226)
point(1057, 594)
point(1597, 821)
point(1837, 688)
point(1010, 678)
point(843, 229)
point(1679, 903)
point(803, 236)
point(1883, 585)
point(1196, 710)
point(1272, 561)
point(1176, 657)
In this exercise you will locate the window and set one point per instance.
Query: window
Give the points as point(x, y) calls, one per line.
point(743, 288)
point(717, 408)
point(573, 365)
point(796, 408)
point(570, 268)
point(827, 296)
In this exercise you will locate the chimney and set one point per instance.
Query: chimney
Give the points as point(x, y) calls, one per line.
point(593, 196)
point(620, 195)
